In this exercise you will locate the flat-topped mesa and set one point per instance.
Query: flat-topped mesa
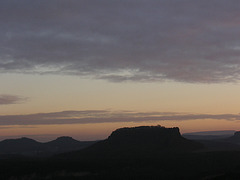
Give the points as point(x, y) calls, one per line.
point(149, 138)
point(142, 141)
point(144, 134)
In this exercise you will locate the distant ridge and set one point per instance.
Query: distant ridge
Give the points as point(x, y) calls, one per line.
point(209, 135)
point(220, 142)
point(214, 133)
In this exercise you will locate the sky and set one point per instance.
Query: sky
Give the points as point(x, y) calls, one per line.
point(85, 68)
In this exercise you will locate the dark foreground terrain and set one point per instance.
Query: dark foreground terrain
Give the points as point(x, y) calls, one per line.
point(211, 165)
point(148, 152)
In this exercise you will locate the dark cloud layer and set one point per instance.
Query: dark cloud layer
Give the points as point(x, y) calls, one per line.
point(11, 99)
point(123, 40)
point(88, 117)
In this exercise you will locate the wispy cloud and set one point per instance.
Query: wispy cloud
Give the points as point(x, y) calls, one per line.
point(18, 126)
point(105, 116)
point(11, 99)
point(6, 127)
point(122, 40)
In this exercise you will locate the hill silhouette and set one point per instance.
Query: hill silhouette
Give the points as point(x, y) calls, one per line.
point(20, 146)
point(29, 147)
point(65, 143)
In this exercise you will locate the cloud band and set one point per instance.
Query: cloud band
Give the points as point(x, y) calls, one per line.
point(104, 116)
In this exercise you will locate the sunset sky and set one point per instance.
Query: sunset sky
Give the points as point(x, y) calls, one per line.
point(83, 68)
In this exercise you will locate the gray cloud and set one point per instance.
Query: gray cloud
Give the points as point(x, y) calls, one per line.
point(123, 40)
point(105, 116)
point(11, 99)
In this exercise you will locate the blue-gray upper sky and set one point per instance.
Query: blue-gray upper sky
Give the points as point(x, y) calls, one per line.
point(118, 40)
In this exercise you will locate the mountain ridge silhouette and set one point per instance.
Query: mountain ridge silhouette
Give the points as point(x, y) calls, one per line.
point(29, 147)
